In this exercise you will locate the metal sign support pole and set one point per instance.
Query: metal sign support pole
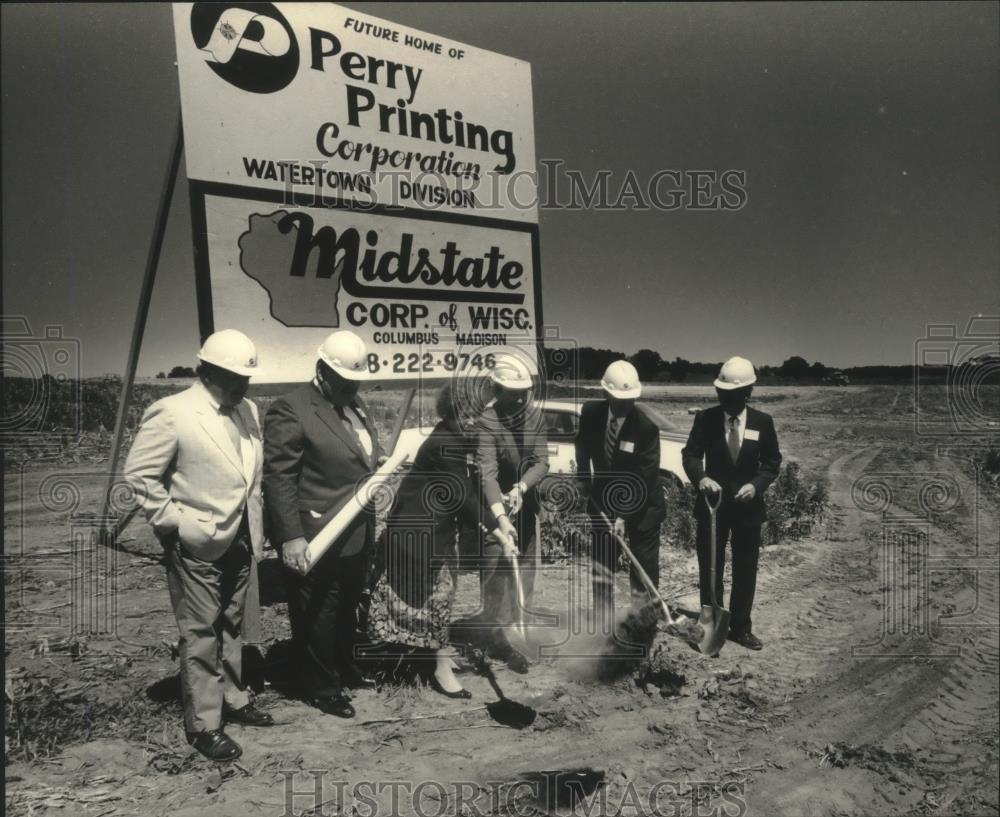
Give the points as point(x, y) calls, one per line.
point(110, 532)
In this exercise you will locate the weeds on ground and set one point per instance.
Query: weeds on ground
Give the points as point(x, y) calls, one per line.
point(795, 505)
point(42, 717)
point(678, 528)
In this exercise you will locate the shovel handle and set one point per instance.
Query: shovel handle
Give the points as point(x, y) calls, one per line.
point(713, 507)
point(639, 569)
point(517, 581)
point(520, 592)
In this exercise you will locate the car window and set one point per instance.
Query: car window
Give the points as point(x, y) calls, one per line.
point(560, 424)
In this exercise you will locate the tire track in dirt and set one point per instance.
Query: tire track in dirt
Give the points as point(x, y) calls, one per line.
point(817, 647)
point(808, 616)
point(928, 706)
point(966, 702)
point(814, 605)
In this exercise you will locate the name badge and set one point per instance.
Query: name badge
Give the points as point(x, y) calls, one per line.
point(627, 447)
point(751, 434)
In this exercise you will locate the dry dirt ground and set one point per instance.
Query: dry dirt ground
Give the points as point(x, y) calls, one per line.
point(876, 691)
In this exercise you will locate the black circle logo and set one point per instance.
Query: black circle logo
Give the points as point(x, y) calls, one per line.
point(249, 45)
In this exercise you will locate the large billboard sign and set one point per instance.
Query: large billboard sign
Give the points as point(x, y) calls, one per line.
point(347, 172)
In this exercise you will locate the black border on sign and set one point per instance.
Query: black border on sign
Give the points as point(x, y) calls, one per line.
point(198, 190)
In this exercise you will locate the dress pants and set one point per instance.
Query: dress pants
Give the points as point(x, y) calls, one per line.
point(208, 600)
point(323, 609)
point(499, 594)
point(746, 552)
point(644, 544)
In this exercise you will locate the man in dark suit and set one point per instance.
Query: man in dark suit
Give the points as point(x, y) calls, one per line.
point(618, 466)
point(732, 450)
point(319, 444)
point(513, 457)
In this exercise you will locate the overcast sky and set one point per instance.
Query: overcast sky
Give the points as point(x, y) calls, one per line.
point(868, 134)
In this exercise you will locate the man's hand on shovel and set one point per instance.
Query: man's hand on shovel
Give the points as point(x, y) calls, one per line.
point(514, 498)
point(707, 485)
point(506, 538)
point(507, 542)
point(506, 527)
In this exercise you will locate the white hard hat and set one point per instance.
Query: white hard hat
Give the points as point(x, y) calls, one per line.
point(736, 373)
point(621, 380)
point(345, 353)
point(231, 350)
point(512, 370)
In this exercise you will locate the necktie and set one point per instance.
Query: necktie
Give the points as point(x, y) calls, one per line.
point(226, 412)
point(611, 438)
point(734, 438)
point(348, 420)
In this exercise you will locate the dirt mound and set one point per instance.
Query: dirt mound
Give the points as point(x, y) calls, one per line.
point(734, 686)
point(562, 709)
point(686, 629)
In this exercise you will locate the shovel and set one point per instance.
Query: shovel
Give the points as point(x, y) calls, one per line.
point(714, 619)
point(505, 711)
point(517, 636)
point(675, 625)
point(671, 621)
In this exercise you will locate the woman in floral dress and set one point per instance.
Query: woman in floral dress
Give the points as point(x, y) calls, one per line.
point(411, 603)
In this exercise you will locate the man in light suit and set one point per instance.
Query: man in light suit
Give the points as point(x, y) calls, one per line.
point(618, 466)
point(732, 450)
point(319, 445)
point(195, 467)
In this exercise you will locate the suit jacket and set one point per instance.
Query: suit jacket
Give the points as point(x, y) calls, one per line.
point(313, 464)
point(707, 454)
point(507, 455)
point(627, 485)
point(188, 478)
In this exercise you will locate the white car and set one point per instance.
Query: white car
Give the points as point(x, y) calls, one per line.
point(561, 421)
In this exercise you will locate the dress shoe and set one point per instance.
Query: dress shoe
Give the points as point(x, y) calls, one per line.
point(216, 745)
point(353, 677)
point(748, 640)
point(463, 694)
point(248, 715)
point(339, 706)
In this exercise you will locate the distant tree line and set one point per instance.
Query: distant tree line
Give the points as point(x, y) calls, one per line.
point(590, 363)
point(177, 371)
point(51, 404)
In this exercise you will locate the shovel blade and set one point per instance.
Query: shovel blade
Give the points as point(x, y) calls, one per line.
point(516, 638)
point(715, 622)
point(511, 713)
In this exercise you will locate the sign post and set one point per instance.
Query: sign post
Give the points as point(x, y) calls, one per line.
point(138, 329)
